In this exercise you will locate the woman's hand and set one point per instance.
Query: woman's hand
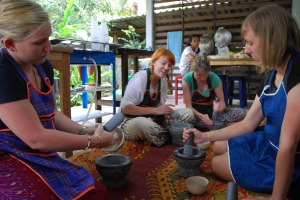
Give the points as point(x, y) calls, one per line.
point(219, 106)
point(198, 135)
point(205, 118)
point(103, 138)
point(164, 109)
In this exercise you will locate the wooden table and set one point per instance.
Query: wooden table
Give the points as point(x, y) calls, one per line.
point(221, 62)
point(233, 64)
point(125, 54)
point(136, 54)
point(60, 60)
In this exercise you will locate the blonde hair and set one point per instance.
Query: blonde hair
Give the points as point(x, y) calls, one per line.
point(277, 31)
point(201, 62)
point(19, 17)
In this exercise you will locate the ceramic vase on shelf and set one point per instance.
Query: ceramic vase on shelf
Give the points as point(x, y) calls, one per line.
point(206, 44)
point(222, 39)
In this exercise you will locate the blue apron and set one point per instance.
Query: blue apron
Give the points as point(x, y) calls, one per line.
point(66, 180)
point(252, 157)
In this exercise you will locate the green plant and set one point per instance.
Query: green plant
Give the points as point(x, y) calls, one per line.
point(133, 40)
point(71, 16)
point(76, 99)
point(65, 28)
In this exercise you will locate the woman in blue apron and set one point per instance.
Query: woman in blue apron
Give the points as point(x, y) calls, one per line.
point(265, 158)
point(32, 130)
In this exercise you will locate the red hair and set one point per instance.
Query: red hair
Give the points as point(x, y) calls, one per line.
point(163, 52)
point(168, 55)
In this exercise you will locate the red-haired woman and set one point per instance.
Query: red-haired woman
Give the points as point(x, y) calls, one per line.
point(147, 115)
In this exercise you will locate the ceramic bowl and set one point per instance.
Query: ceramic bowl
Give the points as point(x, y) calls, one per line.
point(119, 138)
point(203, 146)
point(113, 168)
point(197, 185)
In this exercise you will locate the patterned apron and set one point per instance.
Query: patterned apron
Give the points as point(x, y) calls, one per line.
point(66, 180)
point(252, 157)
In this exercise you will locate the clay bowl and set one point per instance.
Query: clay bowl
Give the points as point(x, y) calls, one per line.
point(176, 131)
point(113, 168)
point(197, 185)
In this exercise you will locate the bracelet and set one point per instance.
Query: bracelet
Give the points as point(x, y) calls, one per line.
point(154, 111)
point(82, 129)
point(208, 136)
point(99, 137)
point(89, 142)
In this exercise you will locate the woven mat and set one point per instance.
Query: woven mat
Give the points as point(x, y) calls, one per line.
point(153, 174)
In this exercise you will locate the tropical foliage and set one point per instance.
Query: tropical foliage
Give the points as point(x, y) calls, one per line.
point(133, 40)
point(72, 19)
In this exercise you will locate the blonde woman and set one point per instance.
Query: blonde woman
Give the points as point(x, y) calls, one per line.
point(200, 89)
point(32, 129)
point(265, 158)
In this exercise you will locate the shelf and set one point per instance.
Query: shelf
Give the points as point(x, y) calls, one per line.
point(62, 58)
point(88, 88)
point(80, 44)
point(78, 113)
point(104, 102)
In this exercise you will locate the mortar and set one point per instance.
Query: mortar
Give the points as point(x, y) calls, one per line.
point(189, 165)
point(113, 168)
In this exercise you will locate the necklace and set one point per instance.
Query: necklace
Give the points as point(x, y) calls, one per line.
point(35, 78)
point(154, 81)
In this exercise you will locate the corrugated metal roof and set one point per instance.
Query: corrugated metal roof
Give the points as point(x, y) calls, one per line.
point(193, 18)
point(138, 22)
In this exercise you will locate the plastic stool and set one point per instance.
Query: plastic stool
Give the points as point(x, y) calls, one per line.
point(178, 77)
point(223, 78)
point(242, 93)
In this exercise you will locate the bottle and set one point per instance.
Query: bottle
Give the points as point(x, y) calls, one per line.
point(104, 36)
point(95, 35)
